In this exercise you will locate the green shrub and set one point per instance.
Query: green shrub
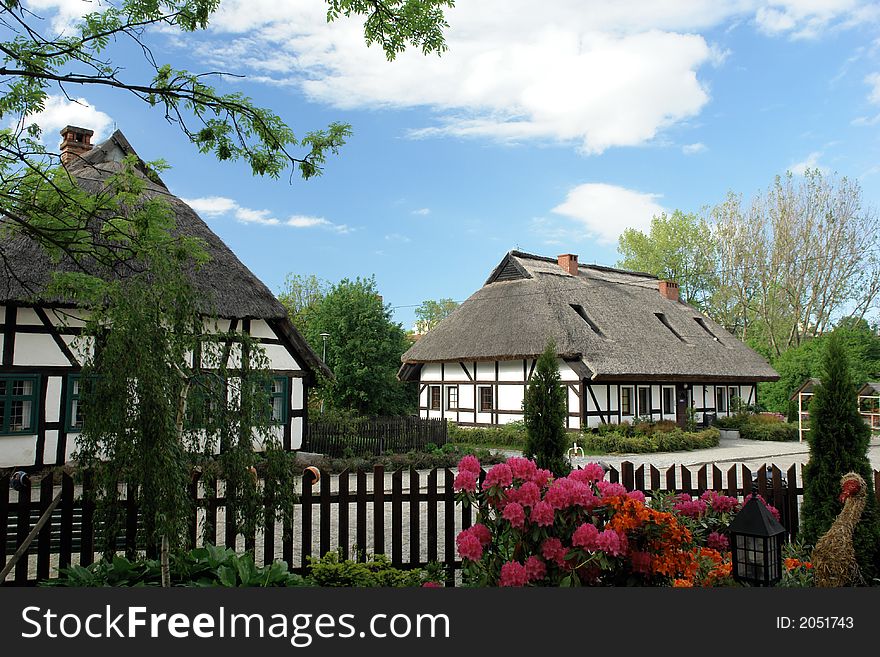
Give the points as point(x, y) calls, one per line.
point(332, 571)
point(778, 431)
point(446, 456)
point(512, 435)
point(669, 441)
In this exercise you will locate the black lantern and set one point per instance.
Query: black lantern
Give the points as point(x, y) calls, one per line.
point(756, 544)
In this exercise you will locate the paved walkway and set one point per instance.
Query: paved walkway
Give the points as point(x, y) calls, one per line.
point(752, 453)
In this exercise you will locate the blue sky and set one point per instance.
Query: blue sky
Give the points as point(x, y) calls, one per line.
point(548, 127)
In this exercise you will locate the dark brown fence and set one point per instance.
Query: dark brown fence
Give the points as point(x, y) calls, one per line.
point(373, 436)
point(411, 516)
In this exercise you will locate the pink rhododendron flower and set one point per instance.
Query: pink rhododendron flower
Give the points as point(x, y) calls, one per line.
point(636, 495)
point(498, 475)
point(513, 573)
point(522, 469)
point(515, 514)
point(482, 533)
point(466, 481)
point(717, 541)
point(536, 569)
point(690, 508)
point(610, 542)
point(432, 585)
point(567, 492)
point(719, 503)
point(541, 477)
point(585, 536)
point(552, 549)
point(470, 463)
point(607, 489)
point(589, 473)
point(772, 509)
point(469, 546)
point(528, 494)
point(543, 515)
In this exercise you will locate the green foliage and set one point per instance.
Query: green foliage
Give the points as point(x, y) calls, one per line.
point(759, 426)
point(430, 313)
point(512, 434)
point(545, 408)
point(301, 295)
point(363, 350)
point(677, 247)
point(858, 340)
point(839, 440)
point(798, 570)
point(446, 456)
point(332, 570)
point(201, 567)
point(625, 441)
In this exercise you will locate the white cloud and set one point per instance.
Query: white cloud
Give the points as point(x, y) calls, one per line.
point(808, 19)
point(810, 162)
point(65, 14)
point(397, 237)
point(606, 210)
point(218, 206)
point(59, 112)
point(422, 212)
point(592, 73)
point(693, 149)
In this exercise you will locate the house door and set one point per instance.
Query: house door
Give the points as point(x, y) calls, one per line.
point(681, 404)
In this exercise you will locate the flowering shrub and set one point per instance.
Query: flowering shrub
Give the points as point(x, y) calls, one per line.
point(534, 529)
point(707, 516)
point(798, 570)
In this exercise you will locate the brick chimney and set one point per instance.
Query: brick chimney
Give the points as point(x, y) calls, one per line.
point(669, 289)
point(569, 262)
point(75, 143)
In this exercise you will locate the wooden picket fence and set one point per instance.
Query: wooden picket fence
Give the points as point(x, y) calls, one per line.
point(373, 436)
point(411, 516)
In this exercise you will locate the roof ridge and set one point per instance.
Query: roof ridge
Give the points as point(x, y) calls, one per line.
point(582, 265)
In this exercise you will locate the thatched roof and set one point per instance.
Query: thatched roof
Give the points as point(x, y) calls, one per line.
point(614, 322)
point(229, 289)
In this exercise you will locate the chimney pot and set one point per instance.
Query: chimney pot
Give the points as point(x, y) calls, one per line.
point(669, 290)
point(569, 262)
point(75, 143)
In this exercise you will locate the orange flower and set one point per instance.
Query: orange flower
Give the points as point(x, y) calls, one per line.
point(682, 584)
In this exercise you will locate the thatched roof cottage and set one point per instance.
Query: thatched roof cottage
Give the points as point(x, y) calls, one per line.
point(627, 348)
point(39, 379)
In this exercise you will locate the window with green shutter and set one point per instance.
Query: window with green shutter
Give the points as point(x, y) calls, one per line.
point(18, 403)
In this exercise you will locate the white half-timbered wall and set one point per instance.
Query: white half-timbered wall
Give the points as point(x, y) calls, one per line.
point(44, 343)
point(486, 393)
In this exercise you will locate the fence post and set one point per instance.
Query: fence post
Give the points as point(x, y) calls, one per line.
point(627, 475)
point(378, 510)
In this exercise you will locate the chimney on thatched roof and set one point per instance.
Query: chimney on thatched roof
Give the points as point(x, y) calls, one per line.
point(669, 289)
point(75, 143)
point(569, 262)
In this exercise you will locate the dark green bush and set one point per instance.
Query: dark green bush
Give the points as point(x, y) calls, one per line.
point(780, 431)
point(447, 456)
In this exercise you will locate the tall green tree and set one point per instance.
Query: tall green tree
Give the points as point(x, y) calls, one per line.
point(161, 391)
point(839, 440)
point(301, 294)
point(363, 350)
point(678, 247)
point(545, 407)
point(431, 312)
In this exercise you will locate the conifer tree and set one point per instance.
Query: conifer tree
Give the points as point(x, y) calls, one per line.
point(839, 440)
point(544, 409)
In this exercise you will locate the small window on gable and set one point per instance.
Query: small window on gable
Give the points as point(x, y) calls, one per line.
point(74, 403)
point(583, 315)
point(434, 402)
